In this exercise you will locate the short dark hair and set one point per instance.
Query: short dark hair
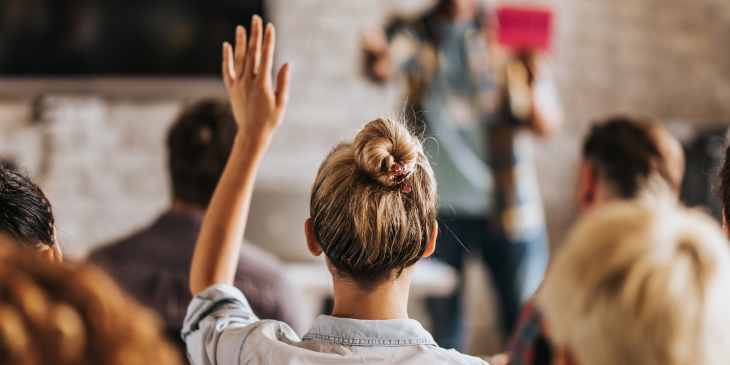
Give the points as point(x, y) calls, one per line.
point(625, 153)
point(25, 212)
point(199, 144)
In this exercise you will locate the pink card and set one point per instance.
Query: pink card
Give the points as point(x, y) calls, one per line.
point(524, 28)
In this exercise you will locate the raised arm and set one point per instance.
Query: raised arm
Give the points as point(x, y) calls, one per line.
point(258, 110)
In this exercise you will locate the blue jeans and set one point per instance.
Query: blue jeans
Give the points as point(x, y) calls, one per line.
point(517, 268)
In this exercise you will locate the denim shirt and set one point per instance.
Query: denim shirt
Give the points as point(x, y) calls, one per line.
point(220, 328)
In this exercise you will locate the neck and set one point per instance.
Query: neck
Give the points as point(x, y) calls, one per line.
point(388, 300)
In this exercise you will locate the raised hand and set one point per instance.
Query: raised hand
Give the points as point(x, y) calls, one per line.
point(378, 60)
point(257, 107)
point(258, 110)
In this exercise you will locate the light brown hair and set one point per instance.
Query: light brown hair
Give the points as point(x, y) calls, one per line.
point(368, 229)
point(53, 314)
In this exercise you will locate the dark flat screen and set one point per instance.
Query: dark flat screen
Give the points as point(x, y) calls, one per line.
point(118, 37)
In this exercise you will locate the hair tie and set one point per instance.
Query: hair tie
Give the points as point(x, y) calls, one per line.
point(398, 172)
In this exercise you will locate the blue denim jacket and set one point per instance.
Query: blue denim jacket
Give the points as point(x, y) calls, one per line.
point(220, 328)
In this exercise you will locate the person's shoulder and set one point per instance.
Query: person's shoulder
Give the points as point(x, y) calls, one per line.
point(110, 251)
point(470, 360)
point(456, 357)
point(266, 336)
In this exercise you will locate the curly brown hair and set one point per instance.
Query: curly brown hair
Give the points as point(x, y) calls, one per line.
point(63, 315)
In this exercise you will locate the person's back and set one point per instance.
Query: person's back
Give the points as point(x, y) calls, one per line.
point(153, 264)
point(373, 216)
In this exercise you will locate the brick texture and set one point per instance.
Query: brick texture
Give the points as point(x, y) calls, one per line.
point(101, 158)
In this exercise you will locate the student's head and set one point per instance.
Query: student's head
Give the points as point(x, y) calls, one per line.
point(636, 285)
point(621, 156)
point(64, 315)
point(199, 144)
point(369, 227)
point(26, 215)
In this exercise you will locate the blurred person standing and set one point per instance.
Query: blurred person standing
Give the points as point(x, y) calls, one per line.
point(624, 159)
point(153, 265)
point(482, 108)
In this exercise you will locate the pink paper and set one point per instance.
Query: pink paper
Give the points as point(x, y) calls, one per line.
point(524, 28)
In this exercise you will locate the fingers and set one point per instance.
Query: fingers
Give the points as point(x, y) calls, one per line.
point(282, 86)
point(267, 55)
point(227, 64)
point(253, 56)
point(240, 55)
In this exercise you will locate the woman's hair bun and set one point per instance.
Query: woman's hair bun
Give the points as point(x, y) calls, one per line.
point(381, 143)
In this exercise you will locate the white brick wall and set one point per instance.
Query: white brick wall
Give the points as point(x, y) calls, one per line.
point(101, 157)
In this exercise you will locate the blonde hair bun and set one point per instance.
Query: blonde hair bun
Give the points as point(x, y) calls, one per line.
point(368, 233)
point(383, 142)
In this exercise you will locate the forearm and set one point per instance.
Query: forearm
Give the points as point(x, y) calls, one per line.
point(258, 110)
point(217, 251)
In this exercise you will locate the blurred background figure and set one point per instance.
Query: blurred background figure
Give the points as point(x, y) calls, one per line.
point(482, 107)
point(637, 284)
point(70, 315)
point(26, 215)
point(623, 158)
point(153, 264)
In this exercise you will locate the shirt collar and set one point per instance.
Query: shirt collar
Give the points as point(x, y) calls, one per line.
point(391, 332)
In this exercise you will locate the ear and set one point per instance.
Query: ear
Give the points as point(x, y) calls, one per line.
point(51, 254)
point(725, 228)
point(587, 179)
point(432, 242)
point(312, 244)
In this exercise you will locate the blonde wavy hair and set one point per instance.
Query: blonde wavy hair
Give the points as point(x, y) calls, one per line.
point(641, 285)
point(53, 314)
point(368, 229)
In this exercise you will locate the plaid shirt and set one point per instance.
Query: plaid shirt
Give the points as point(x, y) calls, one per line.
point(153, 265)
point(517, 204)
point(529, 342)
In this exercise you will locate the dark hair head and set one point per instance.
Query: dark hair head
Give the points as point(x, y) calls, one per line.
point(25, 212)
point(625, 152)
point(199, 144)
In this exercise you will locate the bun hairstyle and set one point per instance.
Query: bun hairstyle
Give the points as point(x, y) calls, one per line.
point(72, 315)
point(25, 213)
point(368, 227)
